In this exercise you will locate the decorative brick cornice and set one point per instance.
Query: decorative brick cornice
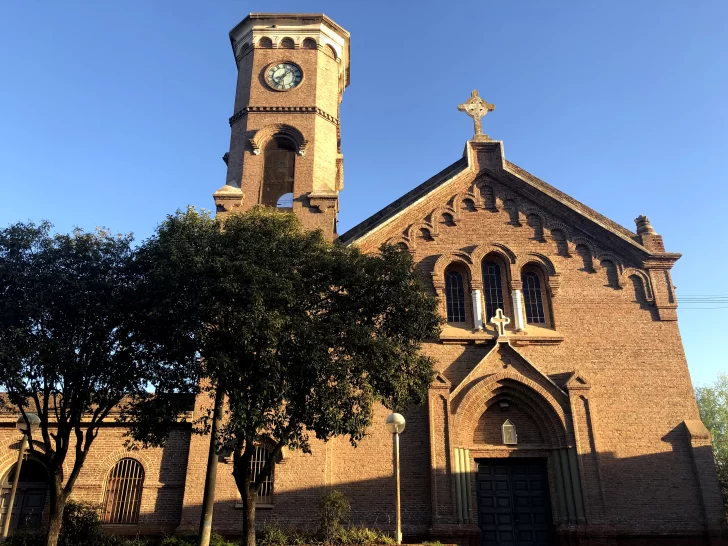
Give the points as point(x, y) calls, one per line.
point(240, 114)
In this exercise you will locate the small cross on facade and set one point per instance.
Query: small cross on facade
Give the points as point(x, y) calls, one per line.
point(476, 108)
point(500, 321)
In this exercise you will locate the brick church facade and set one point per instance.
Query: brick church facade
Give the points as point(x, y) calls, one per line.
point(576, 424)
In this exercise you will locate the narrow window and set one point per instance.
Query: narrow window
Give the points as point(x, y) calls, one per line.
point(492, 289)
point(123, 495)
point(532, 298)
point(279, 164)
point(454, 297)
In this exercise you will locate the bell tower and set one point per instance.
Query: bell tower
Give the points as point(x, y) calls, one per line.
point(285, 142)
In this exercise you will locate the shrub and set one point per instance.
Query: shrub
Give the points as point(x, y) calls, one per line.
point(81, 525)
point(335, 508)
point(25, 538)
point(273, 535)
point(361, 536)
point(191, 540)
point(183, 540)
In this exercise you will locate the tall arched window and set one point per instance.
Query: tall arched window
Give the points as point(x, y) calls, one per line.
point(492, 289)
point(532, 298)
point(30, 497)
point(454, 297)
point(123, 494)
point(279, 162)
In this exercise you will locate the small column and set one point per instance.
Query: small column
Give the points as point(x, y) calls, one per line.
point(477, 309)
point(518, 318)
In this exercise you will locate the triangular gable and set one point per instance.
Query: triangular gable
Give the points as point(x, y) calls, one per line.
point(487, 158)
point(502, 356)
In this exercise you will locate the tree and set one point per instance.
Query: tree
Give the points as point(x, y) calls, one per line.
point(713, 406)
point(69, 346)
point(302, 336)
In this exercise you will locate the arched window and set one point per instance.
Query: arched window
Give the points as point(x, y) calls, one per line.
point(492, 289)
point(279, 162)
point(265, 43)
point(123, 494)
point(287, 43)
point(454, 297)
point(30, 496)
point(532, 298)
point(332, 51)
point(309, 43)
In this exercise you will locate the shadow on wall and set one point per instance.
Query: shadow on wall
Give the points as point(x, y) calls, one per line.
point(647, 499)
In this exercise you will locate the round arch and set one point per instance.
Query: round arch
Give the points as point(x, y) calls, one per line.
point(475, 402)
point(264, 135)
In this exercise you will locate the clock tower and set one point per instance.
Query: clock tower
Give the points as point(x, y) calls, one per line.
point(285, 146)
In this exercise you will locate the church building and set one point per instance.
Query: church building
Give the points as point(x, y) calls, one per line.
point(562, 411)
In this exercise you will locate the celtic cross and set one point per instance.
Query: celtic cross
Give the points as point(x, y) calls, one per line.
point(500, 321)
point(476, 108)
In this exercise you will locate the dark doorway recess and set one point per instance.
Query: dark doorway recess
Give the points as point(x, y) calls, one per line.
point(513, 502)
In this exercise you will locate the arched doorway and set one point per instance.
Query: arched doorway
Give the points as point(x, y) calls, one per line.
point(30, 498)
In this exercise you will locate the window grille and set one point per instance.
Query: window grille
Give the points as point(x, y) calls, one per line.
point(123, 495)
point(493, 290)
point(265, 495)
point(532, 298)
point(454, 297)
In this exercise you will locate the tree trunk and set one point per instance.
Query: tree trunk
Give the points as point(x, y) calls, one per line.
point(58, 503)
point(249, 518)
point(208, 500)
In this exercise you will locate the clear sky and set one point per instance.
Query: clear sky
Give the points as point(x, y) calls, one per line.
point(115, 113)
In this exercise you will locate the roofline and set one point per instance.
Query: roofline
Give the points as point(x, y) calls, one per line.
point(412, 197)
point(321, 17)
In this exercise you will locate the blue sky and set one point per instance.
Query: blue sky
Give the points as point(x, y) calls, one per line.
point(115, 113)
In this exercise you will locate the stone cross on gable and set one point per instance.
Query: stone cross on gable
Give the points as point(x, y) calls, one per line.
point(500, 321)
point(476, 108)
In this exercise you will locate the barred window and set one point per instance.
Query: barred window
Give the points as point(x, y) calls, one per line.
point(492, 289)
point(123, 494)
point(532, 298)
point(454, 297)
point(265, 495)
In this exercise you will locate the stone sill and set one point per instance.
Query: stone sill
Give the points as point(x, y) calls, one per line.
point(531, 335)
point(257, 506)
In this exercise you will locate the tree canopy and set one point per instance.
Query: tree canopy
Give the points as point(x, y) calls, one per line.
point(70, 314)
point(303, 336)
point(713, 406)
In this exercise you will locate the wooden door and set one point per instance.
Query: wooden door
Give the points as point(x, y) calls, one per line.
point(513, 502)
point(31, 508)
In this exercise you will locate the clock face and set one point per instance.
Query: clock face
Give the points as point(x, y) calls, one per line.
point(283, 76)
